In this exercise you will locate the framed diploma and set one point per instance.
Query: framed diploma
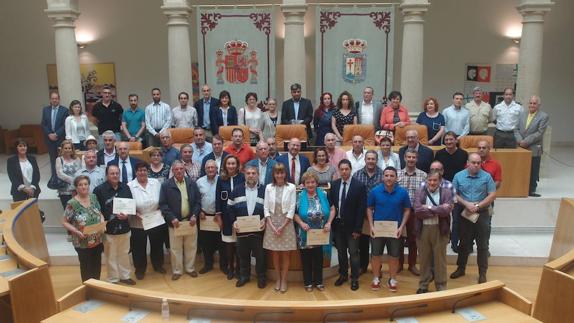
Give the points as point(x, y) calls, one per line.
point(249, 223)
point(209, 224)
point(385, 229)
point(317, 237)
point(184, 229)
point(152, 220)
point(123, 205)
point(94, 228)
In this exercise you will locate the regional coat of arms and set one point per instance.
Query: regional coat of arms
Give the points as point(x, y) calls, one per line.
point(354, 60)
point(237, 65)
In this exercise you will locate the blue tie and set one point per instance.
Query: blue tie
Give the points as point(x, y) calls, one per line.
point(54, 114)
point(124, 172)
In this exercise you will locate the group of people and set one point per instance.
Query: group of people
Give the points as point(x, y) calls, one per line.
point(345, 193)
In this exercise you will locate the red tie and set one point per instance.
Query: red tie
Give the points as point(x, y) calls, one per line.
point(293, 170)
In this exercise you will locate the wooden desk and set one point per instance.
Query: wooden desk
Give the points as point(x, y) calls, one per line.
point(555, 299)
point(563, 240)
point(491, 299)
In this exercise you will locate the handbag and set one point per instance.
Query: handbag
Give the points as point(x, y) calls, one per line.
point(56, 183)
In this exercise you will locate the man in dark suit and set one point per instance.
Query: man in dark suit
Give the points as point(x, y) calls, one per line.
point(295, 163)
point(531, 128)
point(218, 154)
point(349, 196)
point(53, 126)
point(297, 110)
point(125, 163)
point(203, 107)
point(183, 249)
point(426, 155)
point(108, 153)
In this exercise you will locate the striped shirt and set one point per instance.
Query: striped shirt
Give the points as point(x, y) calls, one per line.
point(157, 117)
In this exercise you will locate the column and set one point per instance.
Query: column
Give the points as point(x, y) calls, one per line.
point(179, 55)
point(64, 14)
point(412, 52)
point(530, 60)
point(294, 69)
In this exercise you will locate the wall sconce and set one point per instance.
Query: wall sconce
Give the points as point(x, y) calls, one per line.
point(82, 45)
point(516, 40)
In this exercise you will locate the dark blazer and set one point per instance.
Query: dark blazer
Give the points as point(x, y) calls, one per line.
point(268, 170)
point(198, 105)
point(60, 122)
point(15, 175)
point(237, 206)
point(305, 113)
point(133, 162)
point(216, 118)
point(209, 156)
point(534, 133)
point(100, 158)
point(303, 161)
point(170, 200)
point(378, 108)
point(425, 157)
point(355, 205)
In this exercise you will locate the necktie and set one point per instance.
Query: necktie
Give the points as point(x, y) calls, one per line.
point(343, 197)
point(54, 113)
point(293, 170)
point(124, 172)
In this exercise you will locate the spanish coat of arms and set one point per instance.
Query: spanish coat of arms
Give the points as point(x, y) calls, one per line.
point(237, 65)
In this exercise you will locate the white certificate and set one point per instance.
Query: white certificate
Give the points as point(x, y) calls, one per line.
point(385, 229)
point(249, 223)
point(209, 224)
point(94, 228)
point(125, 206)
point(184, 229)
point(152, 220)
point(317, 237)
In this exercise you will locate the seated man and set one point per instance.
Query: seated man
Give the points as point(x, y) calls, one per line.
point(425, 156)
point(238, 148)
point(108, 153)
point(169, 152)
point(125, 162)
point(295, 163)
point(263, 163)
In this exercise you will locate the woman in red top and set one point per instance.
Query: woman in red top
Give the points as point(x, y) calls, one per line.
point(395, 114)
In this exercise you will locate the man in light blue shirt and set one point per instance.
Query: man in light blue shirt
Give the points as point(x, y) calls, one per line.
point(457, 117)
point(201, 148)
point(476, 191)
point(157, 118)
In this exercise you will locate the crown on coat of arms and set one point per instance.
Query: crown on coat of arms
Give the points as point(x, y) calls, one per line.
point(236, 47)
point(355, 45)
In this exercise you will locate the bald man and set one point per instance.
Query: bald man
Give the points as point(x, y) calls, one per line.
point(295, 163)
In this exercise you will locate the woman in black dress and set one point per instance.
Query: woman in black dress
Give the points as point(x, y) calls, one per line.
point(23, 173)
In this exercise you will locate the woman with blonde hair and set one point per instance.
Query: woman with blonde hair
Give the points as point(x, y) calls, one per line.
point(67, 164)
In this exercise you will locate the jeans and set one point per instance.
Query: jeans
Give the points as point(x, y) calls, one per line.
point(344, 243)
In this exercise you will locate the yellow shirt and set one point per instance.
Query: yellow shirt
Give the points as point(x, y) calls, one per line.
point(530, 117)
point(184, 201)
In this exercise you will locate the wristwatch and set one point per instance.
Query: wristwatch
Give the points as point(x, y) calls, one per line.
point(429, 207)
point(476, 204)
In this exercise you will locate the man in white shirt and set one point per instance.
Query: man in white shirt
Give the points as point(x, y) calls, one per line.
point(201, 148)
point(368, 110)
point(108, 153)
point(96, 174)
point(506, 115)
point(357, 155)
point(157, 118)
point(480, 113)
point(184, 115)
point(209, 241)
point(457, 117)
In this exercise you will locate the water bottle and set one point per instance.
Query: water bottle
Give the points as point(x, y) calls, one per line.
point(164, 310)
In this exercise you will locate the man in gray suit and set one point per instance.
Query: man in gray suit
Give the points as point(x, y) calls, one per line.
point(529, 135)
point(368, 110)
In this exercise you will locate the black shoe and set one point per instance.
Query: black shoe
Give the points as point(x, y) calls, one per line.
point(230, 274)
point(341, 280)
point(481, 278)
point(422, 291)
point(354, 285)
point(130, 281)
point(261, 283)
point(193, 274)
point(140, 276)
point(205, 270)
point(241, 282)
point(160, 270)
point(534, 194)
point(457, 273)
